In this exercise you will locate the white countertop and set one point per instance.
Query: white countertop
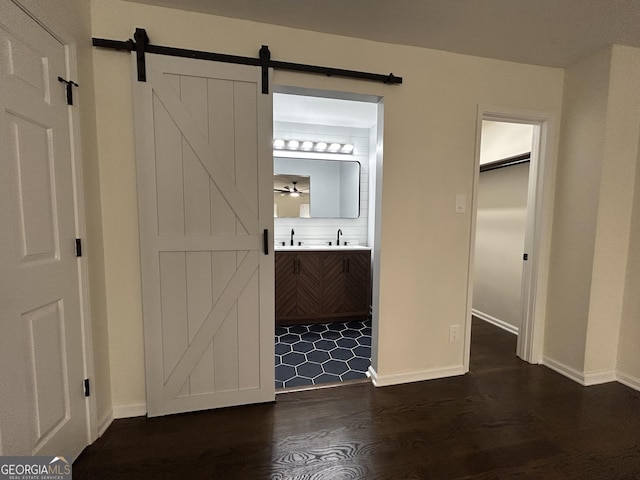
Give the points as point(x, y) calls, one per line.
point(298, 248)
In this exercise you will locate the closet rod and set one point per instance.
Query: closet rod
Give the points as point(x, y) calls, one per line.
point(506, 162)
point(141, 45)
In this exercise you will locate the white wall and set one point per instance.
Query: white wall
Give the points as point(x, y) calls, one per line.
point(575, 216)
point(628, 357)
point(429, 148)
point(616, 194)
point(319, 230)
point(500, 231)
point(502, 140)
point(592, 268)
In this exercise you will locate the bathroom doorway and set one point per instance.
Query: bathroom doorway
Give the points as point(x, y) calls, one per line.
point(507, 218)
point(327, 144)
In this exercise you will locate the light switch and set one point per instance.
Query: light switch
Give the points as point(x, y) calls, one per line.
point(461, 203)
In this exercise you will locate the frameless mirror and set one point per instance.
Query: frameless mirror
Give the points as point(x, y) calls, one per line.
point(322, 189)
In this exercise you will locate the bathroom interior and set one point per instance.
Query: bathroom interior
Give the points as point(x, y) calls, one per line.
point(326, 157)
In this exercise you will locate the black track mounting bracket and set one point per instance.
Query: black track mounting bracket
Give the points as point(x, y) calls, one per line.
point(141, 41)
point(265, 57)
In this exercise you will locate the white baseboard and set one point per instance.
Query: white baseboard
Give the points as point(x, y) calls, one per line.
point(417, 376)
point(129, 410)
point(597, 378)
point(583, 378)
point(105, 422)
point(563, 369)
point(629, 381)
point(495, 321)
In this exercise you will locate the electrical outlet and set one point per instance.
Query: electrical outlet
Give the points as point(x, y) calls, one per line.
point(454, 333)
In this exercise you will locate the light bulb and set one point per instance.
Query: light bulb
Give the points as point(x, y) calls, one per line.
point(293, 144)
point(347, 148)
point(307, 145)
point(334, 147)
point(321, 146)
point(278, 143)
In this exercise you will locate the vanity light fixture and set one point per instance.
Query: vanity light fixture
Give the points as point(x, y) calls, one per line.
point(309, 146)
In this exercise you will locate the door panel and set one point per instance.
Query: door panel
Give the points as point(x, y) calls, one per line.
point(44, 411)
point(346, 283)
point(334, 280)
point(309, 284)
point(203, 134)
point(286, 285)
point(357, 284)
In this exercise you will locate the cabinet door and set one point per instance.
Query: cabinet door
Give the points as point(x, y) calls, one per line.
point(308, 284)
point(286, 297)
point(334, 283)
point(357, 282)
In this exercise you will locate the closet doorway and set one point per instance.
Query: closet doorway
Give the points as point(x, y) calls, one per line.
point(507, 218)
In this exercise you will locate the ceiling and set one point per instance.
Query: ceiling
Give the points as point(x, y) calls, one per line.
point(555, 33)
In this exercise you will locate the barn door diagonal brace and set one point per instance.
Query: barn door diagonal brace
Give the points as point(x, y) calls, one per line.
point(140, 44)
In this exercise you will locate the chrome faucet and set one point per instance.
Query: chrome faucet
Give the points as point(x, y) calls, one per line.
point(292, 233)
point(338, 239)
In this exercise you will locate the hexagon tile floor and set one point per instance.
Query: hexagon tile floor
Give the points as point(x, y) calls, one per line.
point(322, 353)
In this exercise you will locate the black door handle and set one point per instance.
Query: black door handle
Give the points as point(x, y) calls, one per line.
point(265, 241)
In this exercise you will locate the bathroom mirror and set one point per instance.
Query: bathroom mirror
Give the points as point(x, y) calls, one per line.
point(325, 188)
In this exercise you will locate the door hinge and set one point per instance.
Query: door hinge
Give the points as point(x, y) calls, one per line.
point(87, 390)
point(78, 247)
point(525, 257)
point(69, 85)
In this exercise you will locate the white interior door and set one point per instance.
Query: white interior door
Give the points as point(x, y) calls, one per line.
point(43, 410)
point(204, 167)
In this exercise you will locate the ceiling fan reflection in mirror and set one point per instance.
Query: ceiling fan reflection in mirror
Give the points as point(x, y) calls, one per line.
point(291, 185)
point(293, 190)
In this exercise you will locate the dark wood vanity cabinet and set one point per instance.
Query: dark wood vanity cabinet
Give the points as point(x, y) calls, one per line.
point(346, 283)
point(298, 285)
point(322, 286)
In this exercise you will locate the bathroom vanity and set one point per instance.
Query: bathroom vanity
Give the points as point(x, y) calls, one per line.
point(316, 284)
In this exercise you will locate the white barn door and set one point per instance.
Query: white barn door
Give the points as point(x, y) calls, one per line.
point(204, 168)
point(43, 410)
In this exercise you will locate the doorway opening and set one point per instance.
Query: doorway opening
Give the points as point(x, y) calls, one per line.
point(506, 228)
point(327, 163)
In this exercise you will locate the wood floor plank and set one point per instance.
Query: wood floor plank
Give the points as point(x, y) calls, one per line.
point(504, 419)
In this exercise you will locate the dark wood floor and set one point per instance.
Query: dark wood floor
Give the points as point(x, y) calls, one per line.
point(504, 419)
